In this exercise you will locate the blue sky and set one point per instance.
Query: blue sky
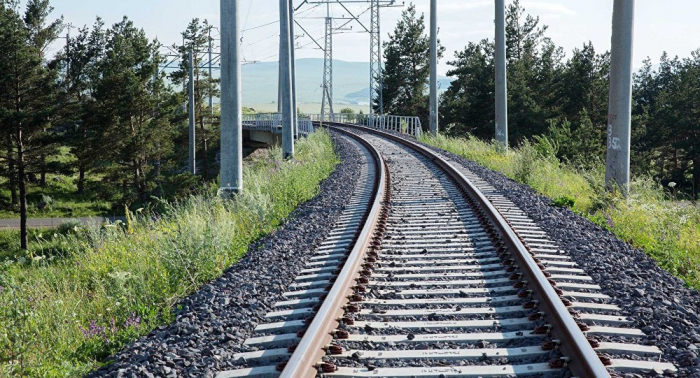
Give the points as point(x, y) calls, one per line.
point(660, 25)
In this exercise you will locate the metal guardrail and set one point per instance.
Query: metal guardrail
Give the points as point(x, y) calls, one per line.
point(272, 123)
point(400, 124)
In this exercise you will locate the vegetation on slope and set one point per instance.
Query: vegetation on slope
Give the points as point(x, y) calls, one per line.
point(650, 218)
point(64, 308)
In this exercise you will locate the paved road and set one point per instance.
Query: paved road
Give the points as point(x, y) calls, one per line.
point(9, 224)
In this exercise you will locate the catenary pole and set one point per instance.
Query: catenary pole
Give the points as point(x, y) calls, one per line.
point(501, 81)
point(211, 97)
point(295, 114)
point(193, 142)
point(617, 162)
point(286, 83)
point(184, 48)
point(433, 69)
point(231, 116)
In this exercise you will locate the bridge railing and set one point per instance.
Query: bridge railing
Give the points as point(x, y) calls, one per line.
point(272, 122)
point(400, 124)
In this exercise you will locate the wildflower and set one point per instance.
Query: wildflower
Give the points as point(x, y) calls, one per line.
point(132, 321)
point(671, 184)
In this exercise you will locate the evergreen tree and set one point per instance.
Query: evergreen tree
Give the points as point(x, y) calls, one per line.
point(407, 67)
point(28, 96)
point(533, 69)
point(468, 105)
point(134, 110)
point(197, 37)
point(81, 61)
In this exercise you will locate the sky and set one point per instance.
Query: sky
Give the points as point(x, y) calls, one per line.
point(669, 25)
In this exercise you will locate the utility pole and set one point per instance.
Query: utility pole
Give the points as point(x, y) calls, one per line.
point(617, 162)
point(68, 53)
point(286, 82)
point(375, 62)
point(231, 111)
point(184, 85)
point(295, 114)
point(211, 87)
point(433, 69)
point(501, 81)
point(327, 102)
point(193, 142)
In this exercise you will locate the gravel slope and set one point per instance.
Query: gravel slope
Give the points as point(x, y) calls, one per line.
point(658, 302)
point(214, 322)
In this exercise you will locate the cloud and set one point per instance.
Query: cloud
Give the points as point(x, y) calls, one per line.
point(457, 6)
point(548, 7)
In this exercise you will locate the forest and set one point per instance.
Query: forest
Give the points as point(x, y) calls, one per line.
point(100, 111)
point(554, 96)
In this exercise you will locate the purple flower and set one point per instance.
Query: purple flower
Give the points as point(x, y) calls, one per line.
point(132, 321)
point(609, 221)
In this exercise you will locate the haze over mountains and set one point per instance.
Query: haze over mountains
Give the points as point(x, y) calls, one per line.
point(350, 83)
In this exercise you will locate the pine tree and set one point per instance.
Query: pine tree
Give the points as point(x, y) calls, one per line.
point(28, 93)
point(134, 110)
point(468, 104)
point(407, 67)
point(81, 60)
point(197, 37)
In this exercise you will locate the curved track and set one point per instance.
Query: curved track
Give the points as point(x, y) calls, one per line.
point(431, 274)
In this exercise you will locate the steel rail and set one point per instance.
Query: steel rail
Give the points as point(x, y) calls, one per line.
point(311, 348)
point(583, 360)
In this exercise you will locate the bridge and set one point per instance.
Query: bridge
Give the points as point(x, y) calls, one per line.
point(268, 127)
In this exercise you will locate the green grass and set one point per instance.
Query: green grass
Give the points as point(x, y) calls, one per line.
point(64, 312)
point(62, 199)
point(60, 195)
point(648, 218)
point(42, 242)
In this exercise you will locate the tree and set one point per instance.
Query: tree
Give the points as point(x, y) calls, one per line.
point(197, 37)
point(534, 64)
point(468, 104)
point(81, 61)
point(407, 67)
point(134, 109)
point(28, 93)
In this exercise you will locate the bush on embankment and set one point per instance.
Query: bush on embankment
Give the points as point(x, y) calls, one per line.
point(95, 290)
point(649, 218)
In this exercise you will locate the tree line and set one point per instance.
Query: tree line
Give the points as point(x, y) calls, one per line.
point(550, 95)
point(104, 100)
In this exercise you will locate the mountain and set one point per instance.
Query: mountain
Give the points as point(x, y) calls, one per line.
point(350, 82)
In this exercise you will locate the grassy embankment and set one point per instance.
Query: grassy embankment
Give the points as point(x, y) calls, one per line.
point(67, 306)
point(649, 218)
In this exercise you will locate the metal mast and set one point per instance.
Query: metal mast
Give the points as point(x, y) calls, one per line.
point(211, 97)
point(231, 117)
point(617, 167)
point(375, 61)
point(286, 82)
point(327, 103)
point(193, 142)
point(501, 82)
point(433, 69)
point(295, 105)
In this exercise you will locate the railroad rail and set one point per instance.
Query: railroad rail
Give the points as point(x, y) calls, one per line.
point(430, 272)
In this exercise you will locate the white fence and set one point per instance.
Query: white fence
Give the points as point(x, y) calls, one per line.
point(399, 124)
point(272, 122)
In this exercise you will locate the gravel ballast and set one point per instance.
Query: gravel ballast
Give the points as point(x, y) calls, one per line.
point(657, 302)
point(214, 322)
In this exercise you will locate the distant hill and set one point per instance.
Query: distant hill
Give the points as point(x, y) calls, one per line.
point(350, 82)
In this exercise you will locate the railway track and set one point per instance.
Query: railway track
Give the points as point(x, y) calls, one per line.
point(430, 272)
